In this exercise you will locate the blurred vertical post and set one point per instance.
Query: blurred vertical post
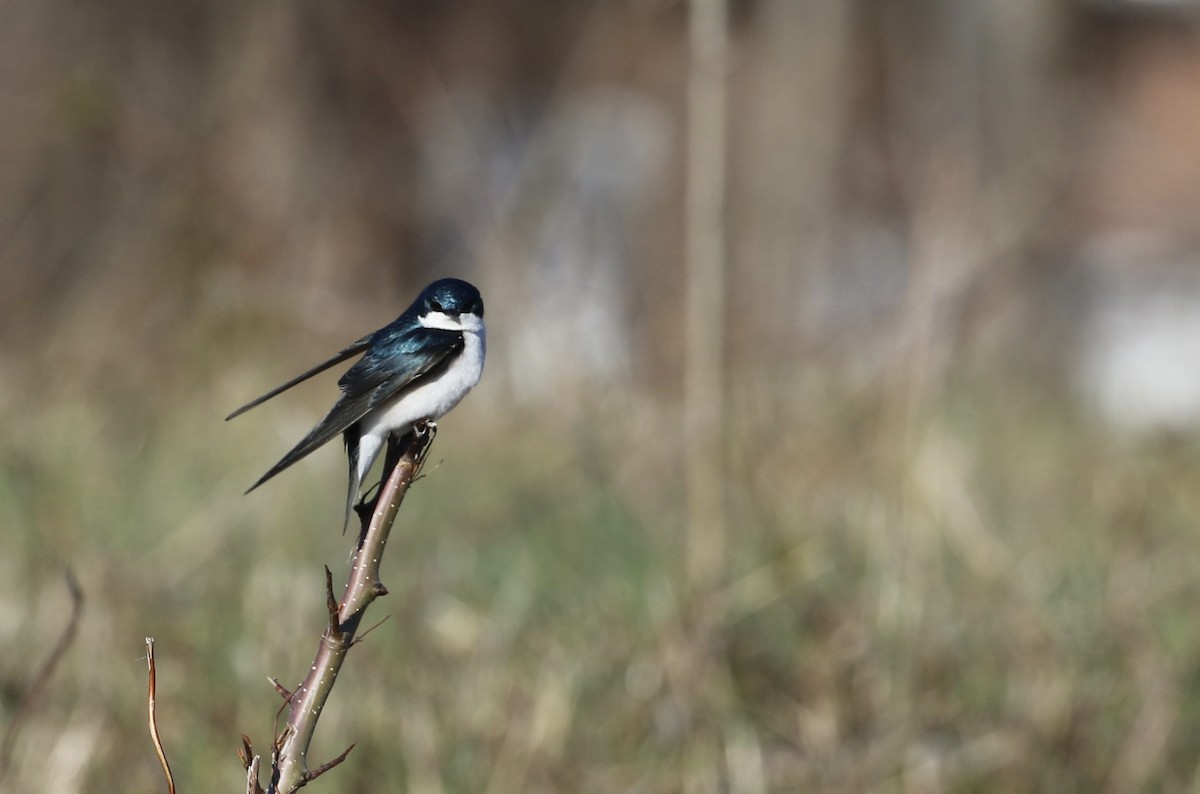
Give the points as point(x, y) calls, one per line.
point(705, 325)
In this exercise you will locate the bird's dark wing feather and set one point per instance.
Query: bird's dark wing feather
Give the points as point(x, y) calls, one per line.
point(345, 412)
point(391, 364)
point(354, 349)
point(398, 357)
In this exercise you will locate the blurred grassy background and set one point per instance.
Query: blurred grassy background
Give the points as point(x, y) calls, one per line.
point(952, 560)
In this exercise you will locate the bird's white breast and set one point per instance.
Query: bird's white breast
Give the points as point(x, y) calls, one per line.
point(433, 397)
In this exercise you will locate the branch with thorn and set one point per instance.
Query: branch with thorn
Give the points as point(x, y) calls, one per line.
point(289, 751)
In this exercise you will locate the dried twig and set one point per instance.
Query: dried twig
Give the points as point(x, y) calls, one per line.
point(251, 763)
point(325, 767)
point(150, 689)
point(47, 669)
point(289, 767)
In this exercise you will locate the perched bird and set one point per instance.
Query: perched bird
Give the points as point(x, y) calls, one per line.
point(417, 367)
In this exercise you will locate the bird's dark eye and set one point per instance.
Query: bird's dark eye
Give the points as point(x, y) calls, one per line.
point(435, 304)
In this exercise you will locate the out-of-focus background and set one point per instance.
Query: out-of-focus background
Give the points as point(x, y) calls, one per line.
point(889, 482)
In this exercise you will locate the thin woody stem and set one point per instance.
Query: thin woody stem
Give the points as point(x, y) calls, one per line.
point(362, 587)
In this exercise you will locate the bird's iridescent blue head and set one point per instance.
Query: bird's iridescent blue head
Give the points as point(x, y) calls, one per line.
point(450, 303)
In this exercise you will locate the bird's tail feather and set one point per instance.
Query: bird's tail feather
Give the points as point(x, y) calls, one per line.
point(319, 435)
point(352, 350)
point(351, 437)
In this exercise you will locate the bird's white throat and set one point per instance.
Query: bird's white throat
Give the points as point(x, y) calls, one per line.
point(463, 322)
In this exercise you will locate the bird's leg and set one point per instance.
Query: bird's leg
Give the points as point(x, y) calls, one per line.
point(363, 509)
point(368, 499)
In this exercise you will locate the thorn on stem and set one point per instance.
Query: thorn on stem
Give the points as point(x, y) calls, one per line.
point(283, 691)
point(313, 774)
point(246, 752)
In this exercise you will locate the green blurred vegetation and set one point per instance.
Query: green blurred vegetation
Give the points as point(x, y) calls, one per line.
point(992, 594)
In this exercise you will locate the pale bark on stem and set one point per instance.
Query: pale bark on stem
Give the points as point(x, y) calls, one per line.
point(362, 587)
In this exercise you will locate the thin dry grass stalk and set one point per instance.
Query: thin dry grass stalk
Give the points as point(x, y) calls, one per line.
point(152, 719)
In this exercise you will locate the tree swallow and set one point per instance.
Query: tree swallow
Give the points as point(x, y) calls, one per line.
point(417, 367)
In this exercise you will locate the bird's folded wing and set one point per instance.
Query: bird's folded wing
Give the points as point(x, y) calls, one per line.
point(391, 365)
point(397, 359)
